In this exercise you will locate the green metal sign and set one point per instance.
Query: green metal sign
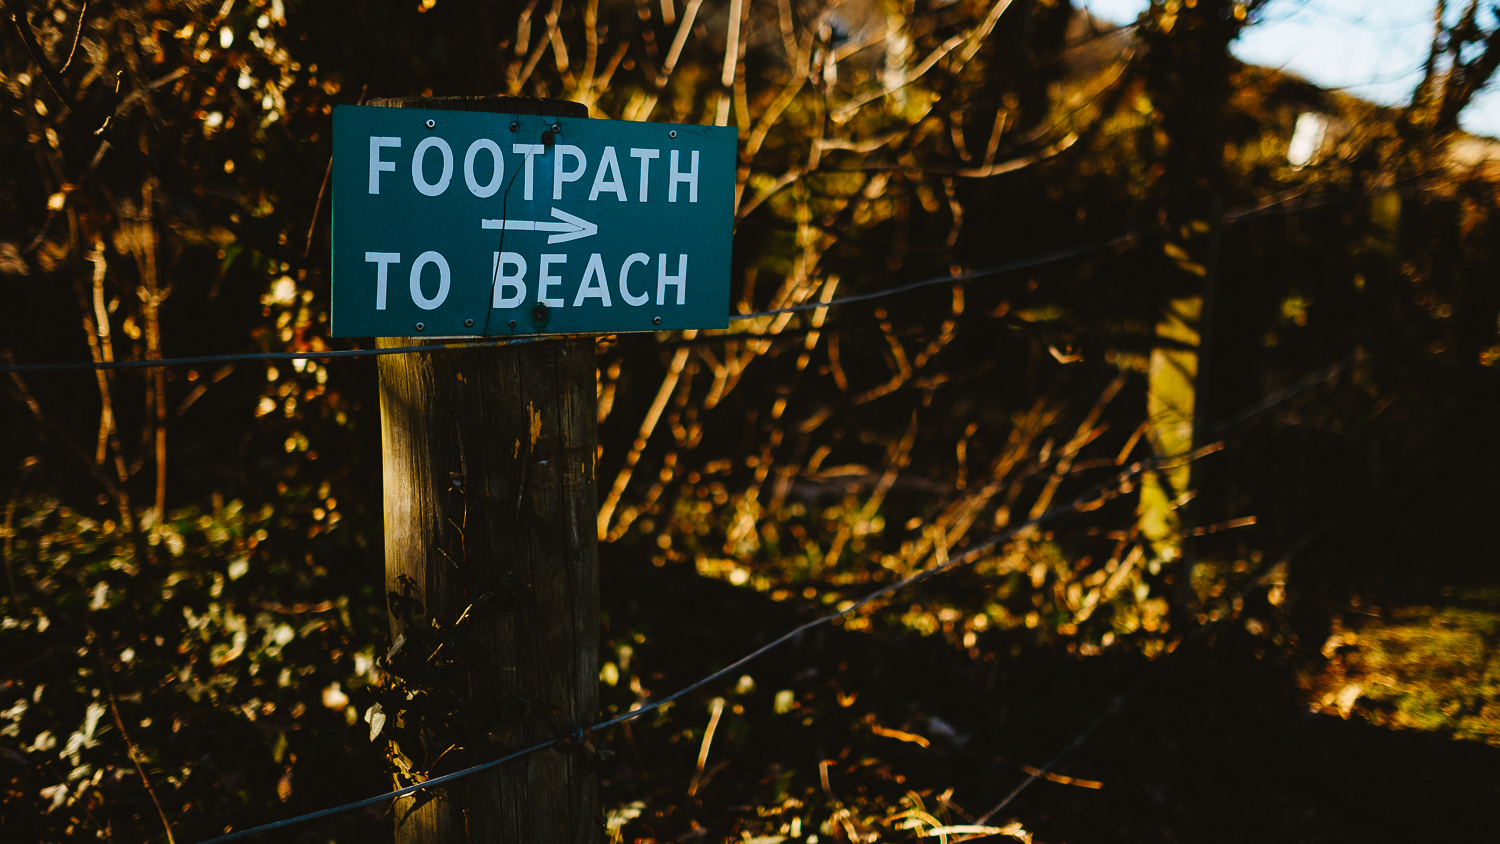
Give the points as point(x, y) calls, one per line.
point(462, 224)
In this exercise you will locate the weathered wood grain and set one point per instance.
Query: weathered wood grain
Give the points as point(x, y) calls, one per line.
point(489, 507)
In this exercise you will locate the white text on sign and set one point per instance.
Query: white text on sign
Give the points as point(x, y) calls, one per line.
point(569, 164)
point(509, 276)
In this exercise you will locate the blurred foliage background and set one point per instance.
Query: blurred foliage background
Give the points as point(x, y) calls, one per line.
point(192, 626)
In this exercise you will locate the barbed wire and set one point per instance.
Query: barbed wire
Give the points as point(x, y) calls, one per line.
point(1094, 496)
point(1278, 205)
point(997, 269)
point(332, 354)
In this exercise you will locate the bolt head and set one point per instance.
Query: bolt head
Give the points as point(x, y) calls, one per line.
point(421, 327)
point(557, 127)
point(431, 124)
point(656, 320)
point(672, 134)
point(468, 323)
point(515, 125)
point(512, 323)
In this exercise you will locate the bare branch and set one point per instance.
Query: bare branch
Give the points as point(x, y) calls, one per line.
point(135, 756)
point(18, 17)
point(83, 16)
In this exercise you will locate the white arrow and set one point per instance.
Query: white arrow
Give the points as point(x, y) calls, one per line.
point(571, 228)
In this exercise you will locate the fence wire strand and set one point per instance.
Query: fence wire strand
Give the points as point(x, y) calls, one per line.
point(1282, 205)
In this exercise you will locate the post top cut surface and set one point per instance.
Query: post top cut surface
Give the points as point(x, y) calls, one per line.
point(493, 223)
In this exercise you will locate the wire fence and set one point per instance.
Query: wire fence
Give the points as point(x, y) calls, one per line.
point(1099, 493)
point(1090, 499)
point(1093, 497)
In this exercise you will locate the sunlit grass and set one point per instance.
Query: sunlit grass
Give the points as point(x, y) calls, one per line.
point(1425, 668)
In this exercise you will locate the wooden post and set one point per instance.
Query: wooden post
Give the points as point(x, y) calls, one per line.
point(491, 570)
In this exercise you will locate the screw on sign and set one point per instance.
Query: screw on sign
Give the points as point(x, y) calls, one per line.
point(499, 224)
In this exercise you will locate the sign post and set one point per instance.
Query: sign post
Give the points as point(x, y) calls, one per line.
point(499, 217)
